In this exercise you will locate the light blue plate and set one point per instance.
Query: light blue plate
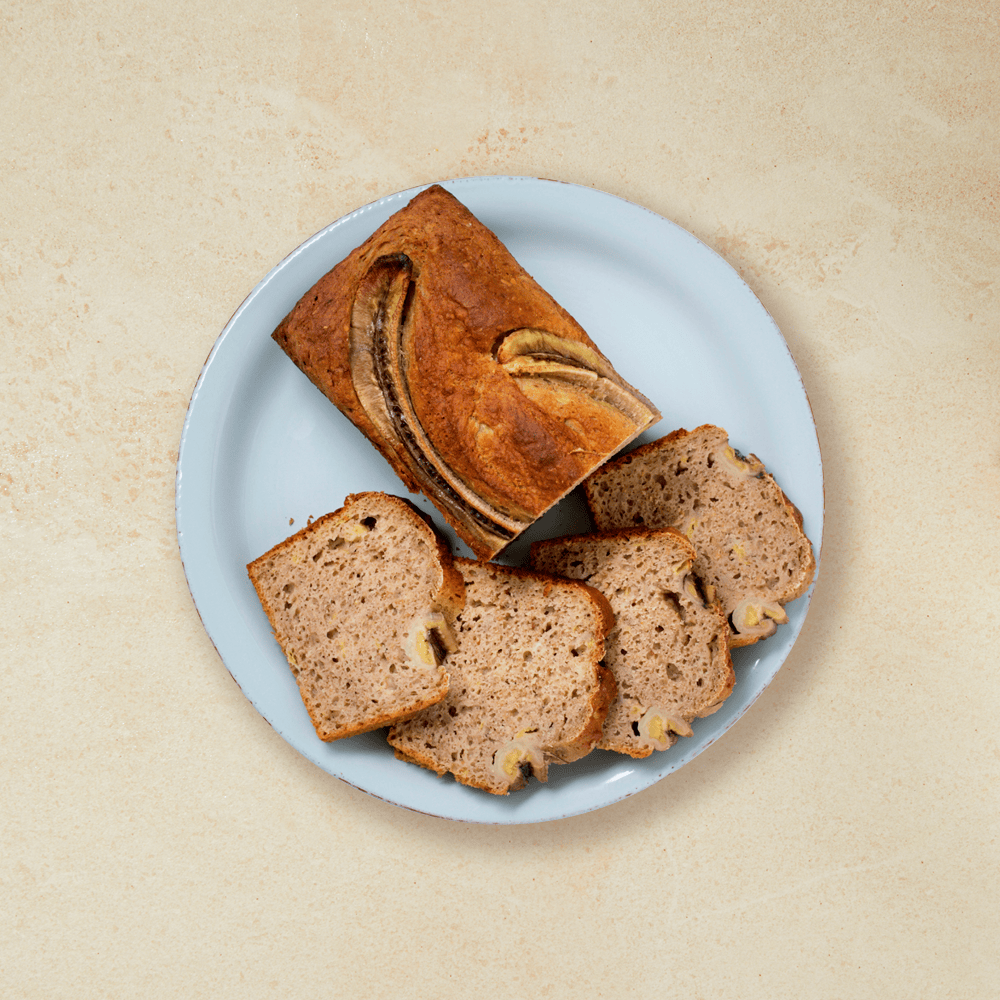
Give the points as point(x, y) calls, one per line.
point(262, 448)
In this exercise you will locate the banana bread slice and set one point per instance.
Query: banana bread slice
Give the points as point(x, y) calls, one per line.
point(751, 549)
point(669, 649)
point(527, 684)
point(363, 602)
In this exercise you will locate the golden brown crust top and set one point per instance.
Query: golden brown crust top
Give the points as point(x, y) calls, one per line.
point(518, 430)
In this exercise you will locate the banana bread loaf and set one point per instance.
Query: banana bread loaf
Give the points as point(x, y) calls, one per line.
point(476, 386)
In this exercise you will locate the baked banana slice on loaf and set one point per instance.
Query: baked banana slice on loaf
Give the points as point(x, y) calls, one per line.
point(748, 538)
point(363, 603)
point(669, 648)
point(527, 684)
point(476, 386)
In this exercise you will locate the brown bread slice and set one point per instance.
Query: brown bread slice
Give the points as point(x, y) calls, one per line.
point(669, 648)
point(362, 602)
point(751, 550)
point(527, 684)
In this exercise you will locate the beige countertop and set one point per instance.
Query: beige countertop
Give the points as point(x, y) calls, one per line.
point(158, 838)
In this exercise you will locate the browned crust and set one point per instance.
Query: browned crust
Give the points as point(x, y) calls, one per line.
point(470, 292)
point(634, 750)
point(638, 530)
point(452, 593)
point(380, 722)
point(607, 612)
point(449, 601)
point(643, 449)
point(600, 705)
point(413, 757)
point(726, 688)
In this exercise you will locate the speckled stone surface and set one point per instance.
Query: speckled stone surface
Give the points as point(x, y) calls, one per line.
point(157, 838)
